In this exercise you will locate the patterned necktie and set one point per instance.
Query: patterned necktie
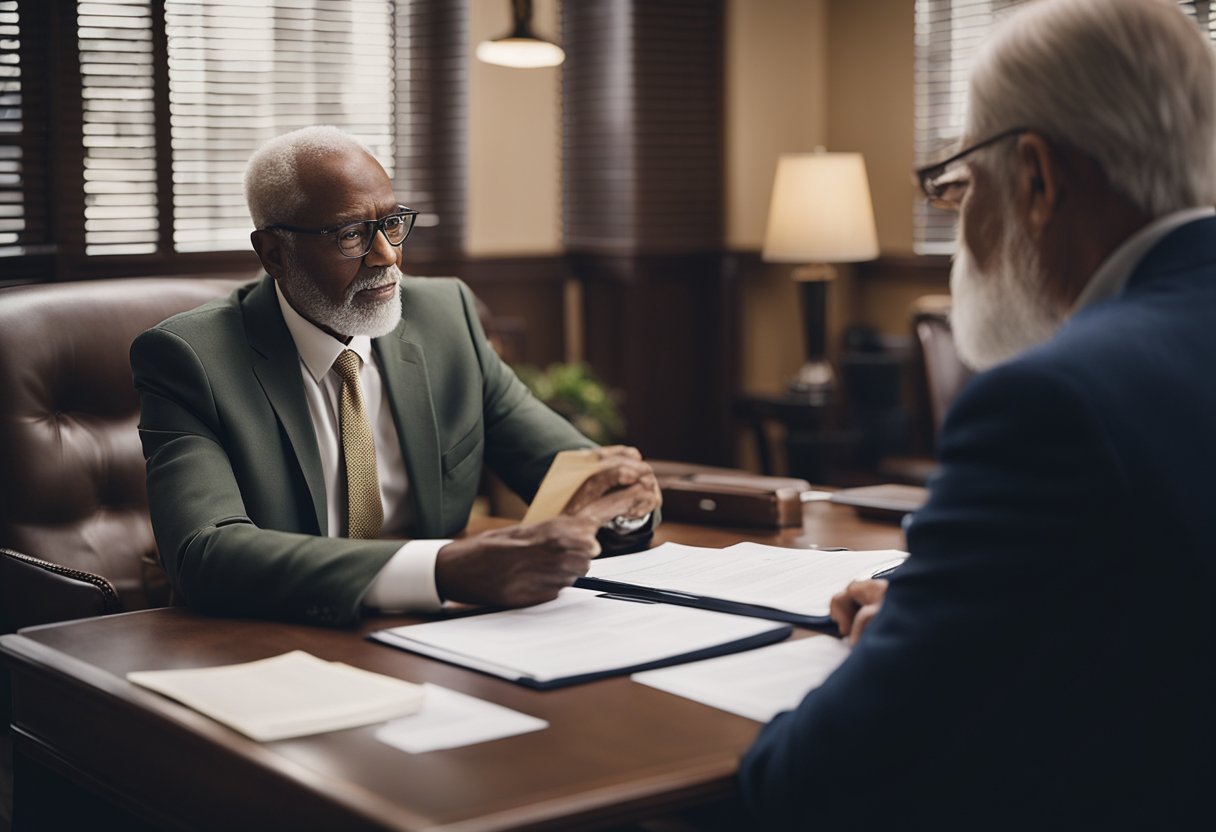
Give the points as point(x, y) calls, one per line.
point(365, 515)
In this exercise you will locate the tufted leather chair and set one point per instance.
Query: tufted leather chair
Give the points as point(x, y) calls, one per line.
point(75, 538)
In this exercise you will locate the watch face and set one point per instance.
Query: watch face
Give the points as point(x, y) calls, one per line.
point(621, 523)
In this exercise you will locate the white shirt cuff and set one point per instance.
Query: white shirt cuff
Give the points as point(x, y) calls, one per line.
point(407, 582)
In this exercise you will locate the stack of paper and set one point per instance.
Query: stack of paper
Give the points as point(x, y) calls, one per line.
point(581, 636)
point(291, 695)
point(794, 585)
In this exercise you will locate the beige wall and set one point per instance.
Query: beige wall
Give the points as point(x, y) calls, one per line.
point(514, 192)
point(776, 102)
point(833, 72)
point(871, 105)
point(799, 73)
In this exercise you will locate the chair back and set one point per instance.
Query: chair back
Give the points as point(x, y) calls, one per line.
point(944, 372)
point(72, 484)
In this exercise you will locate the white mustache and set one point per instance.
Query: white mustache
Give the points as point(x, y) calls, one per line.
point(385, 276)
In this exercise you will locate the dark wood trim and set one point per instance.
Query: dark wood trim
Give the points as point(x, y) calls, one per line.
point(911, 266)
point(164, 132)
point(532, 268)
point(908, 266)
point(662, 329)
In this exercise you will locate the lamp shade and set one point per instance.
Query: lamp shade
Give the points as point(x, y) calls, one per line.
point(520, 48)
point(820, 211)
point(520, 53)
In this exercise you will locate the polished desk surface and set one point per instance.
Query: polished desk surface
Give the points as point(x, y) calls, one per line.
point(614, 751)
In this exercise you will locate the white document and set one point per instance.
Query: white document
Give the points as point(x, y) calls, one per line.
point(801, 581)
point(577, 634)
point(291, 695)
point(758, 684)
point(449, 719)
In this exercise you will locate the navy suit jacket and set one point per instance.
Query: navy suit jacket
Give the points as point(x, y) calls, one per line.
point(1046, 658)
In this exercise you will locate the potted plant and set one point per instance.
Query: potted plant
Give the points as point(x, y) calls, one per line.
point(574, 391)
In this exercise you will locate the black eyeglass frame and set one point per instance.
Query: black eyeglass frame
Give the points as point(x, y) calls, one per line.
point(377, 228)
point(926, 174)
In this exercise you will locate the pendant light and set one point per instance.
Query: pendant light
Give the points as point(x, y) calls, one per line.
point(520, 48)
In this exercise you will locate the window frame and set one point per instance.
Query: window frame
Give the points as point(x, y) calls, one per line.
point(50, 58)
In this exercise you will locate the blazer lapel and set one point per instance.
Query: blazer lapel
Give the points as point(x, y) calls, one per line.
point(278, 371)
point(409, 392)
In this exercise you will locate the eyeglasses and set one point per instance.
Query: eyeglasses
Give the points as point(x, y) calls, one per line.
point(945, 183)
point(355, 239)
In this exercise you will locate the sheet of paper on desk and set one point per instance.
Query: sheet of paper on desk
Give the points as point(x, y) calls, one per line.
point(758, 684)
point(799, 580)
point(581, 634)
point(449, 719)
point(290, 695)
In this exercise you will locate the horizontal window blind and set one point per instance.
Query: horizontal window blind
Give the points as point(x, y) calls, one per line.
point(244, 71)
point(125, 125)
point(13, 206)
point(948, 34)
point(120, 194)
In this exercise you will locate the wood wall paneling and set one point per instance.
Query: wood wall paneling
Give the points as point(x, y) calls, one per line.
point(642, 92)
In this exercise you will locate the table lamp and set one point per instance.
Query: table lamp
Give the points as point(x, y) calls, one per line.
point(820, 214)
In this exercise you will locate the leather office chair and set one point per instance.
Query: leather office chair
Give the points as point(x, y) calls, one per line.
point(941, 374)
point(944, 372)
point(75, 537)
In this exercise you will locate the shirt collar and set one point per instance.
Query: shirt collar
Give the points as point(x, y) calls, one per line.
point(317, 348)
point(1111, 277)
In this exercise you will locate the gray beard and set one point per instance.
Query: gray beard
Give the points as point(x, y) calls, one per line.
point(1000, 312)
point(348, 317)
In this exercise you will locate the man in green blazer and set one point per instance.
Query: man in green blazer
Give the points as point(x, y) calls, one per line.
point(273, 477)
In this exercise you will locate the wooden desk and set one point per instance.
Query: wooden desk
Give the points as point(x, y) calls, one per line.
point(615, 751)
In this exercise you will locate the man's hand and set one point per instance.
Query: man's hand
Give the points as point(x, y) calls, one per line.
point(853, 608)
point(517, 566)
point(625, 487)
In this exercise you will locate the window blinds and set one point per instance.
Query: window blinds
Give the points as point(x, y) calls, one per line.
point(125, 125)
point(244, 71)
point(120, 204)
point(12, 139)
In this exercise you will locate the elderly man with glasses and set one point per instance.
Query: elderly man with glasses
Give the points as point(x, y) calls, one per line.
point(1044, 659)
point(314, 440)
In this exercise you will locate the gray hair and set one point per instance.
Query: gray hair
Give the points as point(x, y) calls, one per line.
point(1131, 83)
point(272, 189)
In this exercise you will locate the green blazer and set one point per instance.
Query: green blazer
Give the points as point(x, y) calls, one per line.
point(234, 475)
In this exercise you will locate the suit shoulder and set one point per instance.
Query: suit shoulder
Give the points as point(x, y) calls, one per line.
point(221, 313)
point(433, 289)
point(432, 300)
point(211, 328)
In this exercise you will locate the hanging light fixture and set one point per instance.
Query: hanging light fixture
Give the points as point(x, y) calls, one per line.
point(520, 48)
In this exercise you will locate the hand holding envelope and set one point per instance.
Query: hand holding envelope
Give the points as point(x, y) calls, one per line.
point(599, 483)
point(553, 546)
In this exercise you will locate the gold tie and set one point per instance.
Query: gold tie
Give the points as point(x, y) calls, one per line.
point(364, 512)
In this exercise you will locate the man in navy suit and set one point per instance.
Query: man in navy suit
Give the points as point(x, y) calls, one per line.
point(1046, 658)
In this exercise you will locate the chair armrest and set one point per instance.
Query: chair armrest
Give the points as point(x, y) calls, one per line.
point(35, 591)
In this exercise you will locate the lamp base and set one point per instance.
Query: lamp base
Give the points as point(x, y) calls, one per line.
point(814, 380)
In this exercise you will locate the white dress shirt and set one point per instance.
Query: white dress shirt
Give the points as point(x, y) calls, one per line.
point(407, 580)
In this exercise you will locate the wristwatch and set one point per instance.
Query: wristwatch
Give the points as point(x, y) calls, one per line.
point(627, 525)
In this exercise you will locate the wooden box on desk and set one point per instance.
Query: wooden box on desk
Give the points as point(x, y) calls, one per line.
point(728, 497)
